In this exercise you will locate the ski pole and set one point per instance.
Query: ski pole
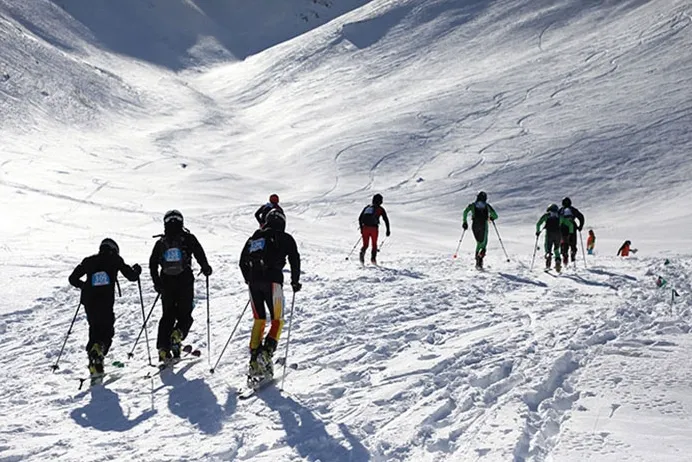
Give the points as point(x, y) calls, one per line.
point(582, 249)
point(144, 327)
point(288, 340)
point(354, 248)
point(535, 247)
point(463, 231)
point(208, 326)
point(379, 247)
point(500, 239)
point(144, 319)
point(230, 337)
point(55, 366)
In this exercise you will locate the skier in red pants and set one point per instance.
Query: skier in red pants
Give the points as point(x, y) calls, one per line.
point(369, 221)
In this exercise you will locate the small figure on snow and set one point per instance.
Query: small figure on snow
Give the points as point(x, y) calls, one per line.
point(261, 262)
point(553, 222)
point(625, 249)
point(369, 221)
point(176, 283)
point(98, 297)
point(481, 213)
point(568, 246)
point(273, 204)
point(590, 242)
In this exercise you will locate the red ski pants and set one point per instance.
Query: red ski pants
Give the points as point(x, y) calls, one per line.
point(370, 233)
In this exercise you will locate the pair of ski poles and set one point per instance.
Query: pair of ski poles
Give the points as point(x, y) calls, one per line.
point(535, 247)
point(463, 232)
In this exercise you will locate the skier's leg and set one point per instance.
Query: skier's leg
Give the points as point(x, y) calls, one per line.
point(374, 235)
point(277, 315)
point(564, 248)
point(547, 245)
point(257, 300)
point(573, 246)
point(365, 235)
point(184, 307)
point(167, 321)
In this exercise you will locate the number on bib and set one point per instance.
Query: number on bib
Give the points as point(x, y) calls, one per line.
point(257, 245)
point(100, 279)
point(173, 255)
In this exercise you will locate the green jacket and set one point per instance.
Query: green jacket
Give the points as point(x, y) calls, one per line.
point(471, 208)
point(563, 222)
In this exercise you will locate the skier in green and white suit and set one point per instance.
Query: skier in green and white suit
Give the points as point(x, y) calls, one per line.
point(481, 212)
point(553, 221)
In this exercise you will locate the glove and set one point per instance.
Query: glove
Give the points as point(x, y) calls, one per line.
point(580, 228)
point(206, 271)
point(465, 226)
point(158, 288)
point(137, 269)
point(388, 233)
point(296, 286)
point(538, 233)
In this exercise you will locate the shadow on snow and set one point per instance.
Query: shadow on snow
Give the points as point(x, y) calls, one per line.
point(308, 435)
point(105, 414)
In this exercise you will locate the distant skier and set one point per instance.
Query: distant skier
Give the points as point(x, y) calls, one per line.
point(98, 297)
point(569, 237)
point(369, 221)
point(553, 221)
point(273, 204)
point(590, 242)
point(625, 249)
point(173, 253)
point(261, 262)
point(481, 213)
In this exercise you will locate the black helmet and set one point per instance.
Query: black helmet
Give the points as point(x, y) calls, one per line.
point(173, 222)
point(482, 197)
point(108, 245)
point(552, 208)
point(567, 202)
point(275, 220)
point(377, 199)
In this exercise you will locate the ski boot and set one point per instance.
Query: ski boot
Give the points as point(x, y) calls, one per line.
point(362, 256)
point(176, 343)
point(573, 256)
point(164, 356)
point(266, 357)
point(558, 268)
point(96, 363)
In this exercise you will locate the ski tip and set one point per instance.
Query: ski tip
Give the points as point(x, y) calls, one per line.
point(196, 353)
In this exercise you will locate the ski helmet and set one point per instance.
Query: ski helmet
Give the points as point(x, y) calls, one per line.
point(274, 199)
point(567, 202)
point(173, 216)
point(275, 220)
point(377, 199)
point(110, 246)
point(482, 197)
point(552, 208)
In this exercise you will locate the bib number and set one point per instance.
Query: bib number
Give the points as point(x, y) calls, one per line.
point(100, 279)
point(257, 245)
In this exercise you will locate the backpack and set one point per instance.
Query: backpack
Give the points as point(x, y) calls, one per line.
point(480, 212)
point(552, 223)
point(370, 215)
point(262, 251)
point(173, 256)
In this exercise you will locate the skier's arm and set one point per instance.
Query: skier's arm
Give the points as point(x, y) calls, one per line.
point(200, 256)
point(385, 219)
point(492, 214)
point(244, 268)
point(130, 272)
point(293, 258)
point(620, 249)
point(360, 219)
point(540, 222)
point(467, 210)
point(154, 264)
point(580, 217)
point(75, 277)
point(258, 215)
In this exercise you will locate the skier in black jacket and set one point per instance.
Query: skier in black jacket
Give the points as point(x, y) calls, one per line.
point(261, 262)
point(569, 236)
point(101, 271)
point(173, 253)
point(273, 204)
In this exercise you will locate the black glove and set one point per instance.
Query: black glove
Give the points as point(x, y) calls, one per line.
point(581, 227)
point(296, 286)
point(158, 288)
point(538, 233)
point(465, 226)
point(388, 233)
point(206, 271)
point(137, 269)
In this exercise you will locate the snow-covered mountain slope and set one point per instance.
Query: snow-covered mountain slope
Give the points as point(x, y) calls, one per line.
point(113, 114)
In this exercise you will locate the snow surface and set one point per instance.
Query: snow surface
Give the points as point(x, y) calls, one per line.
point(114, 112)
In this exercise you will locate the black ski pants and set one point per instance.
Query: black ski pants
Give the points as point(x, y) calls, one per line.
point(101, 321)
point(568, 247)
point(177, 303)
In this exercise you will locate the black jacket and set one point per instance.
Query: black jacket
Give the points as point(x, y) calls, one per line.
point(188, 245)
point(571, 213)
point(101, 272)
point(370, 216)
point(261, 213)
point(271, 247)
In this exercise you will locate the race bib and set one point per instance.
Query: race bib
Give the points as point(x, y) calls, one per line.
point(369, 210)
point(257, 245)
point(100, 279)
point(173, 255)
